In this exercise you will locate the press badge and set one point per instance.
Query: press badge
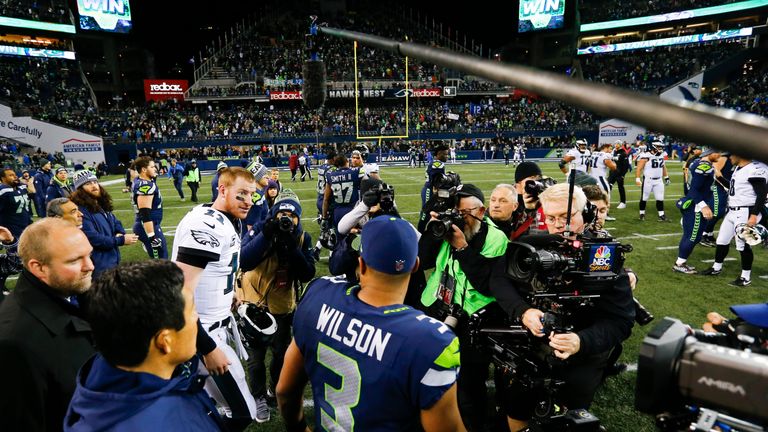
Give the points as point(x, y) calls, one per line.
point(447, 288)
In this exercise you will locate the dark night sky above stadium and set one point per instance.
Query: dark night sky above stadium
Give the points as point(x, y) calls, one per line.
point(176, 30)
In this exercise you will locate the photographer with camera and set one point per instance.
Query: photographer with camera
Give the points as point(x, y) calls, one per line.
point(435, 168)
point(528, 185)
point(442, 196)
point(276, 261)
point(462, 244)
point(580, 335)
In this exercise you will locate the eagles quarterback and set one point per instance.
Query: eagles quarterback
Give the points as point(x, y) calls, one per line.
point(207, 248)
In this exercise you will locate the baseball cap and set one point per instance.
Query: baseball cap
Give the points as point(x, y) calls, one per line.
point(220, 166)
point(468, 189)
point(258, 170)
point(389, 245)
point(526, 169)
point(755, 314)
point(82, 177)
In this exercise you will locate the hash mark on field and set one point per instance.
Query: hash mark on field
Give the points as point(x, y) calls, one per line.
point(643, 236)
point(666, 247)
point(763, 277)
point(711, 260)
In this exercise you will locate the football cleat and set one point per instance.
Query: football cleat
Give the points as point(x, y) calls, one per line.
point(711, 272)
point(621, 206)
point(642, 217)
point(684, 268)
point(663, 218)
point(708, 242)
point(740, 282)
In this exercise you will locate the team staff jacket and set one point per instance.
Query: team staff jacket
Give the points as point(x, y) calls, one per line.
point(44, 340)
point(108, 398)
point(371, 368)
point(102, 228)
point(41, 180)
point(600, 327)
point(470, 268)
point(57, 189)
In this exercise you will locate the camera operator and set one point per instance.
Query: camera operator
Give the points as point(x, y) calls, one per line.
point(276, 261)
point(528, 185)
point(462, 245)
point(583, 353)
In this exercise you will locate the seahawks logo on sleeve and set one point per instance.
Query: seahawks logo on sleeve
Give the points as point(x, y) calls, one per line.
point(205, 238)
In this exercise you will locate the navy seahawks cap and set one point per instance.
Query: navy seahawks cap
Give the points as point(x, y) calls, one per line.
point(755, 314)
point(468, 189)
point(389, 245)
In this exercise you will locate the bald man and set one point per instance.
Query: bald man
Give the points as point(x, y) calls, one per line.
point(44, 338)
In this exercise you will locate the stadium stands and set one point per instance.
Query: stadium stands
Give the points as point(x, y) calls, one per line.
point(748, 94)
point(55, 11)
point(597, 11)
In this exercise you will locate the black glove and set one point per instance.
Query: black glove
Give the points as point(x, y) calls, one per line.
point(157, 246)
point(269, 229)
point(370, 198)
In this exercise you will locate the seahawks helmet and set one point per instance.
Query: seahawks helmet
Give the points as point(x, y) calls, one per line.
point(255, 324)
point(752, 235)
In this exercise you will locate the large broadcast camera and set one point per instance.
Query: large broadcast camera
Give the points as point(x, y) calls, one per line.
point(446, 185)
point(693, 380)
point(385, 196)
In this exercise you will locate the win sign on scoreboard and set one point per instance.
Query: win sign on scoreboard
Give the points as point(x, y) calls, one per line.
point(541, 15)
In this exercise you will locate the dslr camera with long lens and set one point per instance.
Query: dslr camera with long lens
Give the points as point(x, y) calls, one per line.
point(444, 222)
point(285, 224)
point(446, 185)
point(534, 188)
point(692, 380)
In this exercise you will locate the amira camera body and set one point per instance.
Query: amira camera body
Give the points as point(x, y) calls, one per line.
point(690, 381)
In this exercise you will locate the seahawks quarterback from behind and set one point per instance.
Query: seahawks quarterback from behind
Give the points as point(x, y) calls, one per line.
point(373, 363)
point(207, 248)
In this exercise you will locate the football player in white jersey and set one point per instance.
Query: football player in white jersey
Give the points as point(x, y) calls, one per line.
point(518, 156)
point(652, 167)
point(579, 155)
point(746, 198)
point(600, 164)
point(207, 248)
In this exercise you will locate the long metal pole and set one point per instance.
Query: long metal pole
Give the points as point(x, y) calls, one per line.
point(743, 134)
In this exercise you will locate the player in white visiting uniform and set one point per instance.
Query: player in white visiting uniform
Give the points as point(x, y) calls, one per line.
point(579, 155)
point(207, 248)
point(652, 167)
point(746, 198)
point(600, 164)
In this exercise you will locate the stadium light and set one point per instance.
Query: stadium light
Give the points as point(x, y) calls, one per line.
point(741, 133)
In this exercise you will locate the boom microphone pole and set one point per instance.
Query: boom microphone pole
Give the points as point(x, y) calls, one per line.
point(313, 86)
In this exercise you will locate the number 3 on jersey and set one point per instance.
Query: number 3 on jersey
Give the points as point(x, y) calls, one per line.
point(347, 396)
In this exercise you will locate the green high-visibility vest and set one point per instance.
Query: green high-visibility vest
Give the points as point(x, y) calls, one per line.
point(495, 246)
point(193, 176)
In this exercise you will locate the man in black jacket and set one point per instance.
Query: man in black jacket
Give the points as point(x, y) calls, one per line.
point(621, 156)
point(578, 356)
point(44, 338)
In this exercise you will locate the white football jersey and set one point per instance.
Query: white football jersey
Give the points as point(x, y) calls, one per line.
point(209, 233)
point(369, 168)
point(580, 159)
point(741, 193)
point(654, 165)
point(599, 169)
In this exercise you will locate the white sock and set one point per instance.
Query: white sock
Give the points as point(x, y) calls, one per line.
point(680, 261)
point(661, 213)
point(642, 212)
point(746, 274)
point(717, 266)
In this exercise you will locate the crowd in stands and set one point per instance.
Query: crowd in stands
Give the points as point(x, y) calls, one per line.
point(597, 11)
point(747, 94)
point(652, 70)
point(55, 11)
point(50, 88)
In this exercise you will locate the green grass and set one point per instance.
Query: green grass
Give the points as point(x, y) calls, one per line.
point(662, 291)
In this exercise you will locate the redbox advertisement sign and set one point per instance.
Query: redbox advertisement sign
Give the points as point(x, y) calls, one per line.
point(418, 93)
point(165, 89)
point(285, 95)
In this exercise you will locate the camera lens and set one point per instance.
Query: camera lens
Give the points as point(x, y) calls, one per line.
point(439, 227)
point(285, 224)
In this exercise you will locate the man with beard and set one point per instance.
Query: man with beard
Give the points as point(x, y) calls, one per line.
point(459, 286)
point(148, 204)
point(44, 338)
point(100, 225)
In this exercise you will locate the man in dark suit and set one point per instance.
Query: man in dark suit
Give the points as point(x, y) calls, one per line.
point(44, 338)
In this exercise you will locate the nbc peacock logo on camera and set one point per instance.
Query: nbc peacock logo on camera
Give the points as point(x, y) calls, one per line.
point(601, 258)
